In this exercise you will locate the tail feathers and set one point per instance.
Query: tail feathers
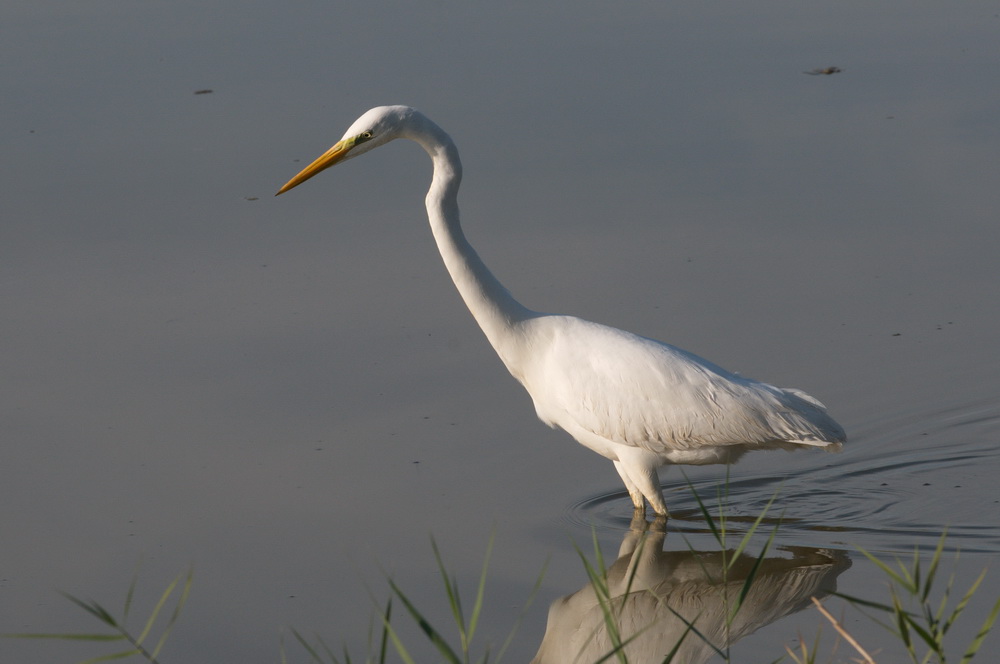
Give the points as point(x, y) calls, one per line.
point(810, 423)
point(827, 445)
point(808, 398)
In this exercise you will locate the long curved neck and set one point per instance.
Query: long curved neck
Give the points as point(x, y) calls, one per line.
point(493, 307)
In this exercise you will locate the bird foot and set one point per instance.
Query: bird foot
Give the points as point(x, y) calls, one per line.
point(640, 524)
point(659, 523)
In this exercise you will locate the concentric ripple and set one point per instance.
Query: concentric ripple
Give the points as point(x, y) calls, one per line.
point(899, 482)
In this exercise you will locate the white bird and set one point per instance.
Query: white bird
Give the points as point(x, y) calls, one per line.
point(639, 402)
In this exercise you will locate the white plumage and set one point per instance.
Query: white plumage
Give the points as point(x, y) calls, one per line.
point(636, 401)
point(654, 595)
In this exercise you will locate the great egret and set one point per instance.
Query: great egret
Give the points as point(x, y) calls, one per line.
point(639, 402)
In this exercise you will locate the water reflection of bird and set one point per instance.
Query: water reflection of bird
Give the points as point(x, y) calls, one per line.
point(653, 592)
point(641, 403)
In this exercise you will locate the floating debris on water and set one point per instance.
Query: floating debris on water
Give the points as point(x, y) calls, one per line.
point(826, 71)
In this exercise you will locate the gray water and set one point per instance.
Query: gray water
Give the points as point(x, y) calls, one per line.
point(288, 394)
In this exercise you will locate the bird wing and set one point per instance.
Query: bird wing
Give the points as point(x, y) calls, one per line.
point(639, 392)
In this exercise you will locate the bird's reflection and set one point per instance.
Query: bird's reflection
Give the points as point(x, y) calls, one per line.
point(653, 592)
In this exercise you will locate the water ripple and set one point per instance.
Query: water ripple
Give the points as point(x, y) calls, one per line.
point(899, 483)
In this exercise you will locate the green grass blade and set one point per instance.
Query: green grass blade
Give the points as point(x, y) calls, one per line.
point(329, 651)
point(454, 599)
point(432, 634)
point(902, 628)
point(960, 607)
point(914, 575)
point(595, 575)
point(65, 637)
point(115, 655)
point(691, 627)
point(911, 578)
point(384, 641)
point(753, 529)
point(175, 614)
point(861, 604)
point(598, 555)
point(893, 574)
point(477, 605)
point(94, 609)
point(939, 615)
point(307, 646)
point(932, 571)
point(524, 611)
point(602, 592)
point(606, 604)
point(669, 658)
point(618, 649)
point(934, 644)
point(973, 648)
point(864, 602)
point(156, 610)
point(752, 575)
point(401, 650)
point(636, 556)
point(131, 590)
point(719, 537)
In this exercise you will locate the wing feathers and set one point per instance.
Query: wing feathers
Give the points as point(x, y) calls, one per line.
point(639, 392)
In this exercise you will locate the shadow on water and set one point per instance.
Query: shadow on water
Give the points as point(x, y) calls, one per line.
point(656, 594)
point(899, 482)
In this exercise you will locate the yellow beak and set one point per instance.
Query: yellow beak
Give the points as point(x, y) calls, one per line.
point(324, 161)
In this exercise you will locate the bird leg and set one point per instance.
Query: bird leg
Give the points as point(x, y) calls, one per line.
point(633, 491)
point(638, 525)
point(642, 482)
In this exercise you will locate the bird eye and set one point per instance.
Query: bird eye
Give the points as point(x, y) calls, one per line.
point(365, 136)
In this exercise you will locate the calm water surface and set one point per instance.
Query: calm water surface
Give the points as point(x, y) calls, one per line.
point(288, 395)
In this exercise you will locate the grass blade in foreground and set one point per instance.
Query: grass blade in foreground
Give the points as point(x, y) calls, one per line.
point(119, 631)
point(912, 615)
point(462, 654)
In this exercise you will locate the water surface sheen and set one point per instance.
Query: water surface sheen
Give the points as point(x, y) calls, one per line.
point(901, 479)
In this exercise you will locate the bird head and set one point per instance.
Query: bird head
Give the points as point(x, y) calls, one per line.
point(376, 127)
